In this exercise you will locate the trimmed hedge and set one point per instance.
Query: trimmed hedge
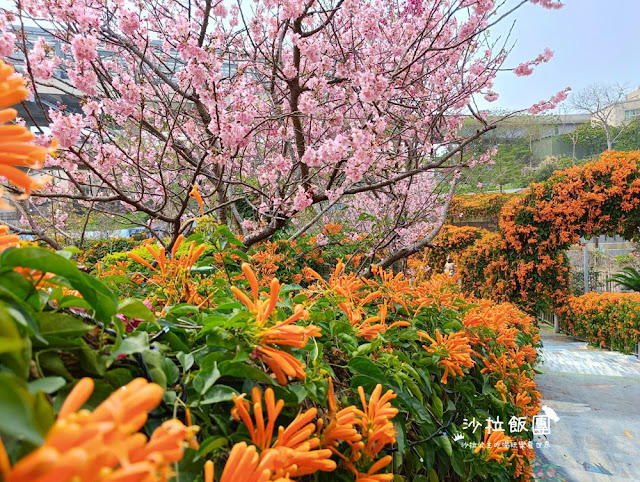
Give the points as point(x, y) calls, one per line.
point(608, 320)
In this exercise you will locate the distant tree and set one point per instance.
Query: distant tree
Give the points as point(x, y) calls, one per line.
point(591, 138)
point(568, 134)
point(629, 138)
point(599, 100)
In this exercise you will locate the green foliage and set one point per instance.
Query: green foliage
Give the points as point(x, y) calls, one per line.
point(204, 355)
point(97, 249)
point(548, 167)
point(506, 169)
point(629, 138)
point(590, 138)
point(625, 258)
point(628, 279)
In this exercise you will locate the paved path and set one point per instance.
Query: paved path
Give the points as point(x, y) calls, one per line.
point(596, 395)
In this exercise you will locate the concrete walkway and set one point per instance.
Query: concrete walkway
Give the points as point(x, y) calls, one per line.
point(596, 396)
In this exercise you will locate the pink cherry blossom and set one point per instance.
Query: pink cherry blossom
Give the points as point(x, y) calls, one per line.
point(66, 128)
point(283, 109)
point(84, 48)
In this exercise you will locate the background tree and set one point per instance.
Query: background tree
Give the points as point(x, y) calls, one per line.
point(592, 138)
point(568, 132)
point(629, 138)
point(270, 107)
point(599, 101)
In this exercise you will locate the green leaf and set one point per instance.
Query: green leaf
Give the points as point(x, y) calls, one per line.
point(118, 377)
point(50, 362)
point(16, 283)
point(95, 292)
point(17, 310)
point(133, 308)
point(73, 302)
point(62, 325)
point(133, 344)
point(183, 309)
point(206, 378)
point(158, 377)
point(211, 444)
point(43, 412)
point(365, 366)
point(445, 443)
point(15, 351)
point(10, 345)
point(436, 406)
point(170, 370)
point(47, 385)
point(458, 465)
point(217, 394)
point(16, 410)
point(186, 359)
point(242, 370)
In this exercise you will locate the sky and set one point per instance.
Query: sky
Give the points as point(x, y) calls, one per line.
point(594, 41)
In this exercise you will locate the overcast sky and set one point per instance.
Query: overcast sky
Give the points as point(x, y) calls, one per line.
point(593, 40)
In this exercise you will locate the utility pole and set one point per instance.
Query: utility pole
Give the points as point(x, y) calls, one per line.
point(586, 268)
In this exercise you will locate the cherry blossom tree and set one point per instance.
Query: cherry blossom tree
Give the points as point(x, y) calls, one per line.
point(273, 108)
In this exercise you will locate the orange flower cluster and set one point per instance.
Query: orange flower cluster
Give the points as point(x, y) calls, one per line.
point(332, 229)
point(608, 320)
point(172, 275)
point(601, 197)
point(267, 259)
point(16, 152)
point(494, 445)
point(271, 332)
point(450, 241)
point(493, 329)
point(454, 352)
point(304, 447)
point(376, 432)
point(294, 452)
point(439, 290)
point(104, 445)
point(15, 149)
point(7, 240)
point(523, 457)
point(395, 289)
point(354, 296)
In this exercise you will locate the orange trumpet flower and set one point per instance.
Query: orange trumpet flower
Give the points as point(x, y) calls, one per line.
point(104, 445)
point(454, 351)
point(15, 149)
point(495, 444)
point(261, 308)
point(243, 465)
point(195, 193)
point(292, 453)
point(281, 363)
point(370, 475)
point(375, 420)
point(7, 240)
